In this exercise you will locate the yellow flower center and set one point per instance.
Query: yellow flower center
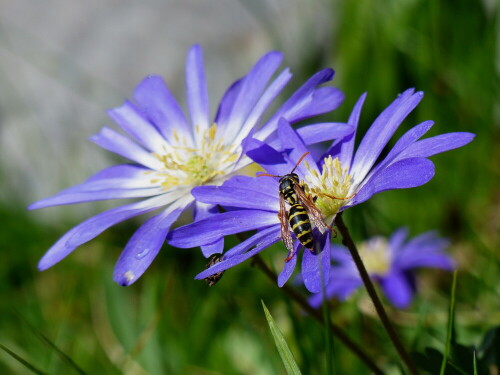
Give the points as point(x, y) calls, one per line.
point(331, 188)
point(193, 166)
point(376, 256)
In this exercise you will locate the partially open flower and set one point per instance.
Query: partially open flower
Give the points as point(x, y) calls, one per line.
point(389, 262)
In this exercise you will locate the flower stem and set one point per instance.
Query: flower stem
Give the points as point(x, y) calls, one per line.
point(316, 314)
point(349, 243)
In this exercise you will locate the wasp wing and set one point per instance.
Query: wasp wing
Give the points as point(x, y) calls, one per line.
point(313, 211)
point(286, 235)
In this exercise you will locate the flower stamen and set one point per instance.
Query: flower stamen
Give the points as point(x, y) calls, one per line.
point(331, 188)
point(185, 165)
point(376, 256)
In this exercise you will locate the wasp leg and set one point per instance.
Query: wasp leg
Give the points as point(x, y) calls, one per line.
point(291, 253)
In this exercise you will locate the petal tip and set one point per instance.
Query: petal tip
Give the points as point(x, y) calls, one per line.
point(44, 264)
point(126, 278)
point(196, 47)
point(34, 206)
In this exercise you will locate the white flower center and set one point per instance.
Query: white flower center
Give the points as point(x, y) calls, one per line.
point(376, 256)
point(331, 189)
point(184, 165)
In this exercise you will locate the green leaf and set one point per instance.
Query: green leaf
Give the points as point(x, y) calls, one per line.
point(449, 334)
point(285, 353)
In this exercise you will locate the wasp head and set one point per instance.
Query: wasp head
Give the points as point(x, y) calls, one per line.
point(288, 181)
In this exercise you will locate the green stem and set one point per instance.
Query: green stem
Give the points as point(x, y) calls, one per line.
point(349, 243)
point(317, 315)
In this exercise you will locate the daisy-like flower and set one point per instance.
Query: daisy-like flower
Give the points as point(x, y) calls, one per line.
point(172, 154)
point(340, 179)
point(390, 262)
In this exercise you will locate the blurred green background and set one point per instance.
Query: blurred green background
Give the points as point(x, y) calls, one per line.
point(62, 64)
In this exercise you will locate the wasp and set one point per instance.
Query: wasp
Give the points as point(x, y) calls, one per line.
point(301, 212)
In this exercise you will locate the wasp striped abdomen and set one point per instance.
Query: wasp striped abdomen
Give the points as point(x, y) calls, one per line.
point(297, 214)
point(301, 226)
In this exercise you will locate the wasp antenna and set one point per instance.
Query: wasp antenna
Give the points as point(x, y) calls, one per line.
point(300, 160)
point(267, 174)
point(334, 197)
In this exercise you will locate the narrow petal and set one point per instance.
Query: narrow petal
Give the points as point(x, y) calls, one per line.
point(397, 290)
point(428, 239)
point(238, 197)
point(410, 137)
point(316, 269)
point(323, 100)
point(207, 231)
point(145, 244)
point(231, 261)
point(435, 145)
point(341, 286)
point(398, 151)
point(131, 121)
point(341, 255)
point(268, 158)
point(196, 84)
point(267, 186)
point(252, 88)
point(404, 174)
point(227, 103)
point(324, 132)
point(131, 171)
point(160, 107)
point(113, 141)
point(117, 182)
point(291, 142)
point(397, 240)
point(204, 211)
point(381, 131)
point(91, 194)
point(94, 226)
point(272, 232)
point(300, 98)
point(346, 151)
point(263, 103)
point(434, 259)
point(216, 247)
point(425, 250)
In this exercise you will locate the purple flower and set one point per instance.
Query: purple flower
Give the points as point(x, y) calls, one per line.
point(173, 154)
point(390, 262)
point(340, 179)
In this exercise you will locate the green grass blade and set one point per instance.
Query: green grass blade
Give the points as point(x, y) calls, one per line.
point(458, 369)
point(285, 353)
point(23, 361)
point(475, 363)
point(44, 339)
point(449, 334)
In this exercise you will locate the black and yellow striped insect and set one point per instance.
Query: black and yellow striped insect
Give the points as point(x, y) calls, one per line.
point(302, 211)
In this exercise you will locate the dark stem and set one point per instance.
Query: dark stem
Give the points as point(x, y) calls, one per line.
point(302, 302)
point(349, 243)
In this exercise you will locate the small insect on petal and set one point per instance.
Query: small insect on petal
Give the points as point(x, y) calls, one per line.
point(214, 279)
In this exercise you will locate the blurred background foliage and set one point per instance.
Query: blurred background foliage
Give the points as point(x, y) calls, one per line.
point(74, 319)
